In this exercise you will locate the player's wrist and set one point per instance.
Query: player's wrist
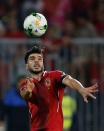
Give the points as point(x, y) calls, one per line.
point(81, 89)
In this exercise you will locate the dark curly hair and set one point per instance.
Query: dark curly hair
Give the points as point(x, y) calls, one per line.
point(35, 49)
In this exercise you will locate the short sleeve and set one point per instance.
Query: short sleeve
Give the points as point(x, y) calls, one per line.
point(59, 76)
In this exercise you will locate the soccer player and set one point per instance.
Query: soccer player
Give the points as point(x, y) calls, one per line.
point(44, 90)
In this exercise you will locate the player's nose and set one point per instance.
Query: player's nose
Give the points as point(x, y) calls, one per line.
point(36, 61)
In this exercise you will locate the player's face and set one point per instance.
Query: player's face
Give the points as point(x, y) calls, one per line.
point(35, 63)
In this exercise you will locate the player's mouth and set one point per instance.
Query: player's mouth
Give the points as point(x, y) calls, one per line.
point(36, 67)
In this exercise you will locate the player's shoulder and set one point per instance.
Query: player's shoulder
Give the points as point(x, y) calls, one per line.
point(55, 72)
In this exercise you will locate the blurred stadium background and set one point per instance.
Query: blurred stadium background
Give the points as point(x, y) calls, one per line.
point(74, 43)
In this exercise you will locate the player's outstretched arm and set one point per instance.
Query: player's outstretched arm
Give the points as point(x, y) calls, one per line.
point(85, 92)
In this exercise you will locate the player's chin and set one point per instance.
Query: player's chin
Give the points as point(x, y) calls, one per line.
point(36, 71)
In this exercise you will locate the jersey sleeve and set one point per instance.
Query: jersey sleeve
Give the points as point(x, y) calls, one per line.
point(59, 76)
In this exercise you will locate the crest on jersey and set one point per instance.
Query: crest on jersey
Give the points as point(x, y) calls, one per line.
point(47, 82)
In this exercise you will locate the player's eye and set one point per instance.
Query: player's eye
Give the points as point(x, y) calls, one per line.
point(40, 59)
point(31, 58)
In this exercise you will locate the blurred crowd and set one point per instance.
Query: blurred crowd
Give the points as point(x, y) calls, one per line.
point(67, 19)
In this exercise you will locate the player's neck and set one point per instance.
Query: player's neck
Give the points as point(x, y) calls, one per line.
point(37, 76)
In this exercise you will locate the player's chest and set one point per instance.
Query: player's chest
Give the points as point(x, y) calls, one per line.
point(45, 89)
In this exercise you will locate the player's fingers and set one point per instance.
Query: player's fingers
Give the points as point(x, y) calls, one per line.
point(93, 91)
point(85, 99)
point(95, 86)
point(92, 96)
point(29, 81)
point(23, 88)
point(30, 84)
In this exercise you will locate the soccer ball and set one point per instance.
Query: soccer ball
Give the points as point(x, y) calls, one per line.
point(35, 25)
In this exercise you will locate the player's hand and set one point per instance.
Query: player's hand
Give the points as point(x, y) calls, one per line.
point(25, 87)
point(26, 84)
point(30, 84)
point(88, 92)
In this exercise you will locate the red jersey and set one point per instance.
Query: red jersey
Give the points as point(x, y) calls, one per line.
point(46, 104)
